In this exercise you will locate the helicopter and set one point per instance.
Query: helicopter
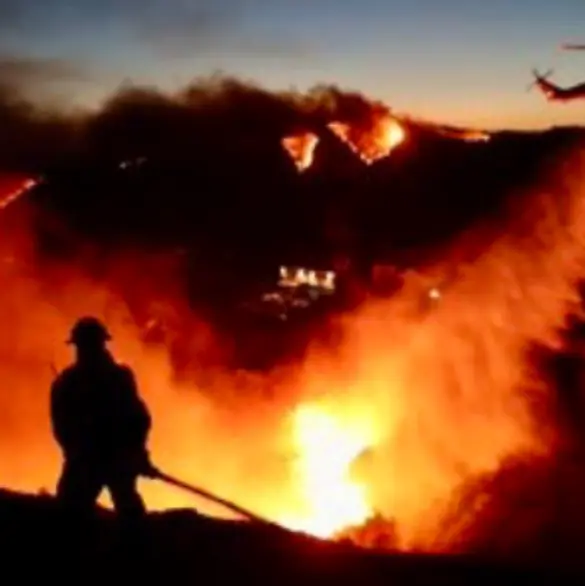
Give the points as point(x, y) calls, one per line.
point(553, 92)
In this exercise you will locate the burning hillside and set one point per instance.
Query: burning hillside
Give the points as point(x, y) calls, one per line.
point(160, 214)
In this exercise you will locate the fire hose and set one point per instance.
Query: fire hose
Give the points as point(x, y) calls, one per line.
point(157, 474)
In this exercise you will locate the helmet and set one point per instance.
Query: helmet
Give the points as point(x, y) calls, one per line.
point(88, 329)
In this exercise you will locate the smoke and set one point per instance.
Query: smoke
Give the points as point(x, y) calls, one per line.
point(446, 386)
point(20, 72)
point(139, 121)
point(475, 456)
point(213, 432)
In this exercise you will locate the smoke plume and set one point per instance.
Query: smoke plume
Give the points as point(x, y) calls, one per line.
point(444, 387)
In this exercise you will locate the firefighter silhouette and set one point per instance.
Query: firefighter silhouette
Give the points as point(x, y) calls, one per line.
point(101, 425)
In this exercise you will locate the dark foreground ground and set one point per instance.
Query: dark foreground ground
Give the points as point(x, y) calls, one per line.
point(183, 547)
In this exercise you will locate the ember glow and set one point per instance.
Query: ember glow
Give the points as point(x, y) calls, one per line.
point(465, 134)
point(9, 193)
point(476, 136)
point(301, 148)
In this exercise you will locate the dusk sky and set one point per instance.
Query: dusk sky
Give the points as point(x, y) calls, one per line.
point(453, 61)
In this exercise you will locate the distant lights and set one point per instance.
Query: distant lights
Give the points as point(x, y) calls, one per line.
point(129, 163)
point(296, 277)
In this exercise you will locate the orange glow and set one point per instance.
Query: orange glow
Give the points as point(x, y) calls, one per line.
point(476, 136)
point(466, 134)
point(413, 400)
point(327, 447)
point(12, 189)
point(301, 148)
point(378, 141)
point(382, 135)
point(295, 277)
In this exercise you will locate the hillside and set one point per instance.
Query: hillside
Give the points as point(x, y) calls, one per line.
point(182, 546)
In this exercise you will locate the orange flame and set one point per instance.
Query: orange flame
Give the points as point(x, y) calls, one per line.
point(476, 136)
point(301, 148)
point(385, 134)
point(328, 445)
point(466, 134)
point(436, 390)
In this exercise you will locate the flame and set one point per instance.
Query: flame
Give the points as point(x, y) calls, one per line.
point(476, 136)
point(383, 136)
point(465, 134)
point(327, 448)
point(301, 148)
point(10, 195)
point(437, 391)
point(294, 277)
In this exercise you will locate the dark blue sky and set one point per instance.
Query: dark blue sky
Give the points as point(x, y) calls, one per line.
point(459, 61)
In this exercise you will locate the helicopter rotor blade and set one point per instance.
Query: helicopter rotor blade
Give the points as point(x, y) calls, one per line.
point(538, 76)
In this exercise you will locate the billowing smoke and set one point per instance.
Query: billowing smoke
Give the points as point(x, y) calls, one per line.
point(138, 121)
point(438, 390)
point(200, 426)
point(459, 374)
